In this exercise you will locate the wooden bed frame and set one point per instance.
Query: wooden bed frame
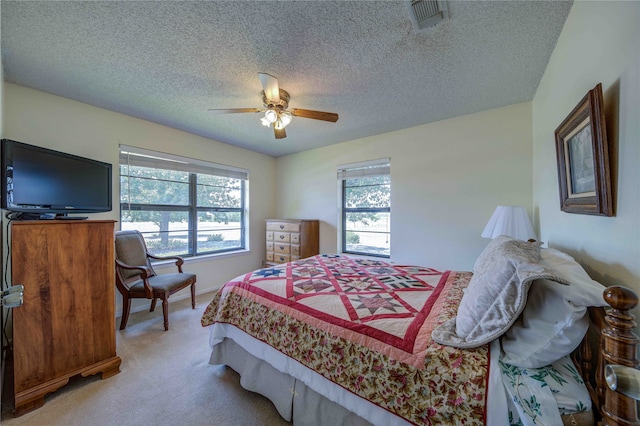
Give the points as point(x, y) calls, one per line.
point(611, 337)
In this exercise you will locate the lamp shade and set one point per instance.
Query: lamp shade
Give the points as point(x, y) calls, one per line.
point(512, 221)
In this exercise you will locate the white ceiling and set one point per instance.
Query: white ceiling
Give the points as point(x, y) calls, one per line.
point(170, 61)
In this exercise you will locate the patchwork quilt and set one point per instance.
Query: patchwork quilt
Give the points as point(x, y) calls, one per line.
point(366, 326)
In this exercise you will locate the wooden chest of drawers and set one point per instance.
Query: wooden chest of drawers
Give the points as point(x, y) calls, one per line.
point(66, 326)
point(291, 239)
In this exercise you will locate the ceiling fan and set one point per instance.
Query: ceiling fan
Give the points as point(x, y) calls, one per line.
point(276, 102)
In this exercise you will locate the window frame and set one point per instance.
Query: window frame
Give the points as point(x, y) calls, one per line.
point(365, 169)
point(193, 168)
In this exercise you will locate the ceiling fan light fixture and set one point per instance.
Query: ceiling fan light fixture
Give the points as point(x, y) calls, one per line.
point(271, 116)
point(265, 122)
point(286, 118)
point(276, 102)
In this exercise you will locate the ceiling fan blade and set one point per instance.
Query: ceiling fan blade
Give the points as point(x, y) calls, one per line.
point(270, 86)
point(233, 110)
point(280, 133)
point(316, 115)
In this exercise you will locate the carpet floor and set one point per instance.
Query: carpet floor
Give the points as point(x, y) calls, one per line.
point(165, 379)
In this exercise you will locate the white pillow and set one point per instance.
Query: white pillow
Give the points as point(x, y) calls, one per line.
point(496, 294)
point(555, 319)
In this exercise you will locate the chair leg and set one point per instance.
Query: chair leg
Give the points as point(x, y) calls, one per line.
point(165, 312)
point(153, 305)
point(193, 296)
point(126, 307)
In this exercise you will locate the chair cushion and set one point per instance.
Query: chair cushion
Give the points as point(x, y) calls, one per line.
point(166, 282)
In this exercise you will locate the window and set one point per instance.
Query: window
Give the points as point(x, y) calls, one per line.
point(366, 208)
point(182, 206)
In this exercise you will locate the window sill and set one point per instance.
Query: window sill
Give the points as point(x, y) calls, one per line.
point(369, 257)
point(203, 258)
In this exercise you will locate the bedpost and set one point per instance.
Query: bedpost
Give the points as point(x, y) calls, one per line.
point(618, 346)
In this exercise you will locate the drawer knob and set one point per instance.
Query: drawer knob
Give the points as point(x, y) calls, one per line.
point(281, 226)
point(282, 237)
point(281, 247)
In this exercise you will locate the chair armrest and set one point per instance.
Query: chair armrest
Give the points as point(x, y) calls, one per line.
point(145, 273)
point(178, 259)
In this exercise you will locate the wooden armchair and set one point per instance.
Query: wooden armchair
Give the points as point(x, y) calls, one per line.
point(135, 277)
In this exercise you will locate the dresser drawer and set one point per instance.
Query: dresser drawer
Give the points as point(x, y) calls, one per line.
point(282, 258)
point(283, 226)
point(281, 237)
point(290, 239)
point(281, 248)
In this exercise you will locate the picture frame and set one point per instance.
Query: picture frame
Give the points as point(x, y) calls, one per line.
point(582, 153)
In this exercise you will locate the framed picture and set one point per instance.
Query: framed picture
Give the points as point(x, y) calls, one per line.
point(583, 159)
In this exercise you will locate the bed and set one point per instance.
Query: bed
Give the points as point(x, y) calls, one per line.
point(338, 340)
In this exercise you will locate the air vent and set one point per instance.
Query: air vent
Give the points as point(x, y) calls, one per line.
point(426, 13)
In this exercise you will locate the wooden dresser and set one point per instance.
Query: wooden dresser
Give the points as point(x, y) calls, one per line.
point(66, 325)
point(291, 239)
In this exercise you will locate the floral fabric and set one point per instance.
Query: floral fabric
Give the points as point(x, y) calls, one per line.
point(366, 326)
point(538, 396)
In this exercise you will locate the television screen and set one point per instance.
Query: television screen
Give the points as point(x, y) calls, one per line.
point(40, 180)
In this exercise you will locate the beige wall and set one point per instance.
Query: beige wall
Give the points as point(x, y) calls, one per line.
point(600, 43)
point(58, 123)
point(446, 178)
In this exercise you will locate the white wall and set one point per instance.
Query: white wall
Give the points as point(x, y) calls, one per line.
point(446, 178)
point(600, 43)
point(58, 123)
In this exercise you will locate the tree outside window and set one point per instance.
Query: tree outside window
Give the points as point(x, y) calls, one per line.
point(366, 211)
point(182, 212)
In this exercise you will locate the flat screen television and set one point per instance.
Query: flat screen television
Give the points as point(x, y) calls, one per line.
point(43, 183)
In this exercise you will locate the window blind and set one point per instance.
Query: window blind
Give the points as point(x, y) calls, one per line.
point(141, 157)
point(380, 167)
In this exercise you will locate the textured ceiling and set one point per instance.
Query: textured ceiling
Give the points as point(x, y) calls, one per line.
point(170, 61)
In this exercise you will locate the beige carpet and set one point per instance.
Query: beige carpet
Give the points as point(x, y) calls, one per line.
point(165, 379)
